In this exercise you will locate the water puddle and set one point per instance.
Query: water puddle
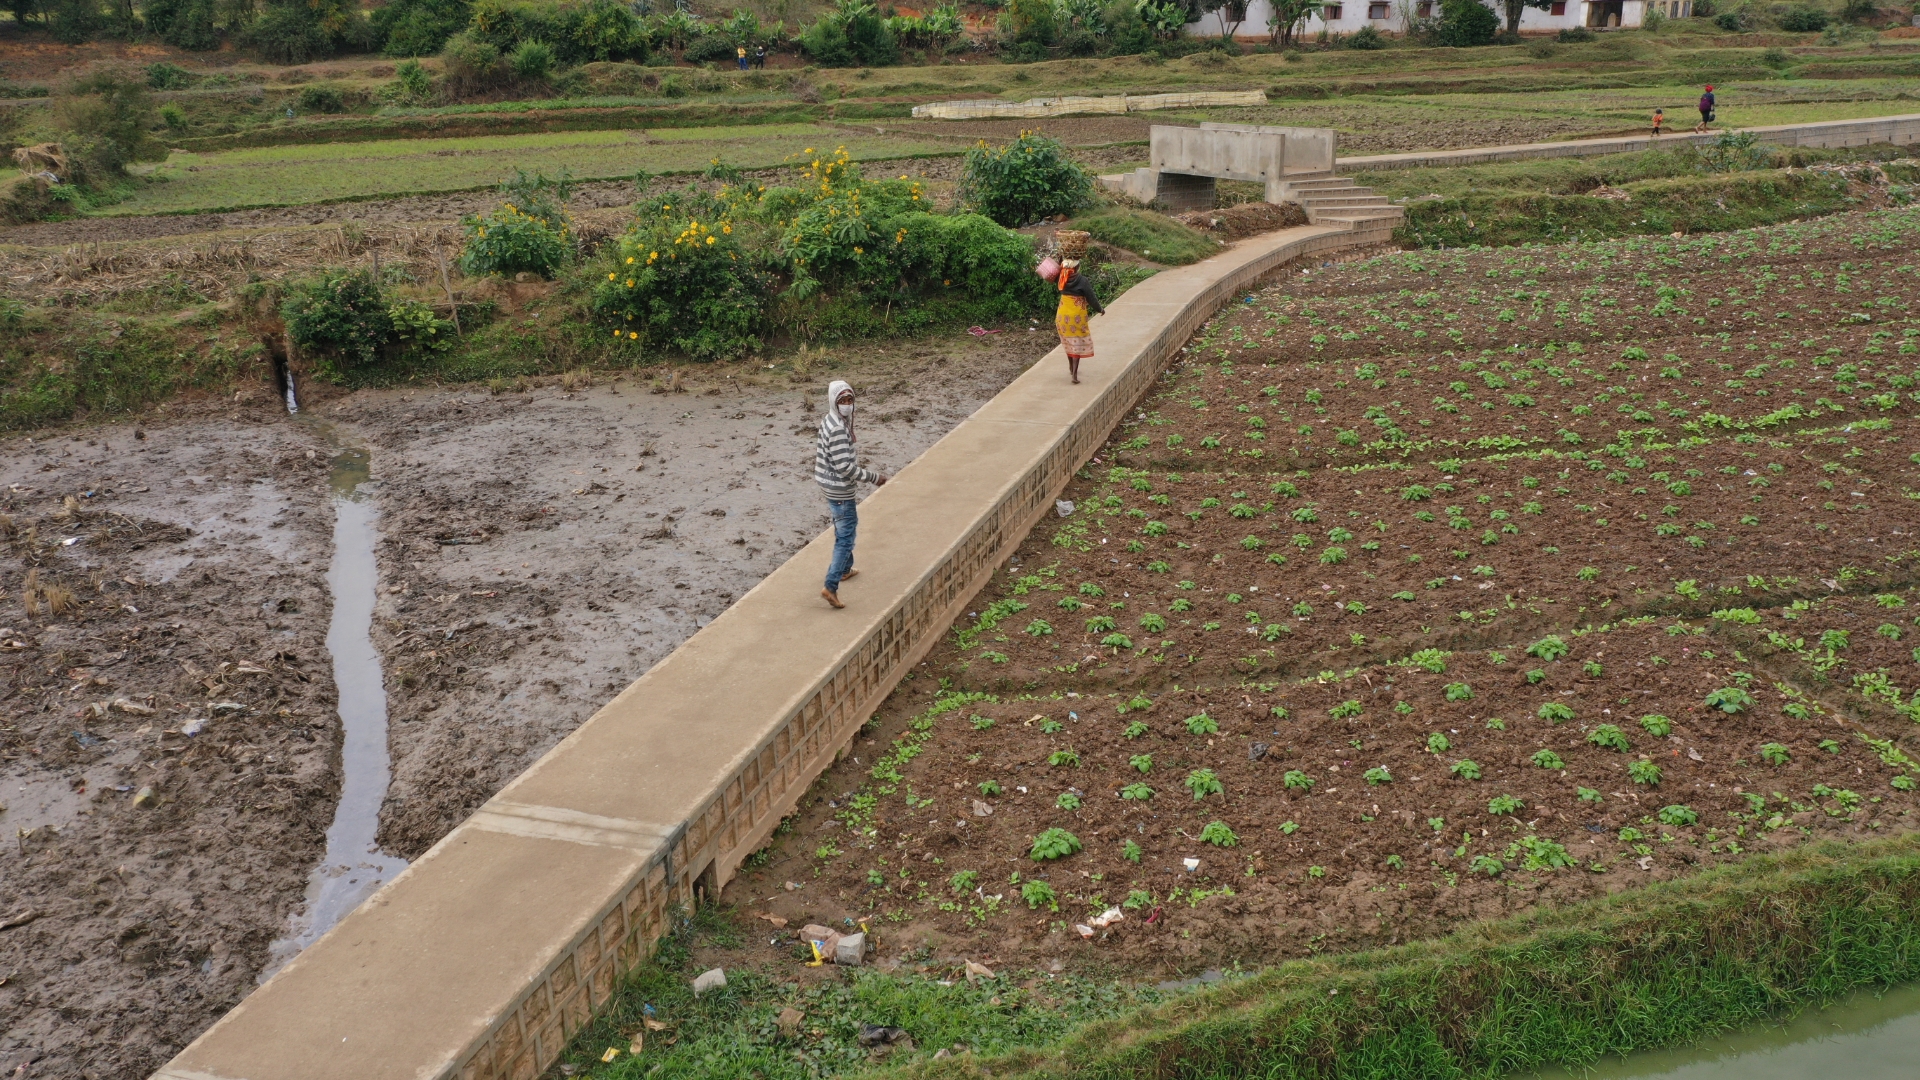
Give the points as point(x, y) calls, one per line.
point(1867, 1036)
point(354, 866)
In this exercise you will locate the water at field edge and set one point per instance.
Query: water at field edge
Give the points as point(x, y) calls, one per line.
point(1862, 1037)
point(354, 865)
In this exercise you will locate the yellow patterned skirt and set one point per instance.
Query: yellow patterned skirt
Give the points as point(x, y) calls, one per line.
point(1071, 323)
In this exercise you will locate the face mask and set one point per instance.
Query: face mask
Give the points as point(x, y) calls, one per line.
point(847, 409)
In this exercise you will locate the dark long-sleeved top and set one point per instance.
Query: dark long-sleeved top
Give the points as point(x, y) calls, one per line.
point(1078, 285)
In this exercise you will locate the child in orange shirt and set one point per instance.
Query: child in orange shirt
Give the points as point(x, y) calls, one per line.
point(1659, 118)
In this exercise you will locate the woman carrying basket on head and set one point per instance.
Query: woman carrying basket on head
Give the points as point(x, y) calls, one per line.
point(1077, 300)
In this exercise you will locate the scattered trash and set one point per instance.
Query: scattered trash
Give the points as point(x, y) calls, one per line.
point(792, 886)
point(774, 919)
point(1645, 863)
point(1190, 864)
point(1107, 918)
point(227, 706)
point(639, 1040)
point(981, 809)
point(1083, 930)
point(144, 797)
point(1257, 751)
point(874, 1035)
point(132, 708)
point(980, 331)
point(1158, 913)
point(977, 971)
point(193, 726)
point(709, 980)
point(612, 1052)
point(951, 1051)
point(822, 940)
point(1063, 507)
point(789, 1021)
point(850, 950)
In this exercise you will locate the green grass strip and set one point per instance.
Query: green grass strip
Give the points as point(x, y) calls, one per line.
point(1645, 968)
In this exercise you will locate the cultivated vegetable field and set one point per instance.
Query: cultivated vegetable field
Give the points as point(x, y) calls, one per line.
point(1436, 586)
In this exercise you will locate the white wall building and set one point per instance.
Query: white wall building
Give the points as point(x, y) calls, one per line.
point(1390, 16)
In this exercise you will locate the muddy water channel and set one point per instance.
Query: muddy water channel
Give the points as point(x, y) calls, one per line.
point(1869, 1036)
point(354, 865)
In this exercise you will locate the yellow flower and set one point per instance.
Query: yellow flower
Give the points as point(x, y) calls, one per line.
point(610, 276)
point(709, 239)
point(728, 229)
point(629, 283)
point(859, 251)
point(629, 260)
point(633, 336)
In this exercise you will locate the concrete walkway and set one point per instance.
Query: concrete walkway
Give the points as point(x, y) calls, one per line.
point(491, 950)
point(1828, 134)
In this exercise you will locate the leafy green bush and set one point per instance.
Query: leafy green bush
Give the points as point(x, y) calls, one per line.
point(532, 61)
point(346, 320)
point(184, 24)
point(1026, 180)
point(853, 33)
point(579, 33)
point(471, 66)
point(710, 49)
point(105, 118)
point(165, 76)
point(680, 279)
point(1466, 23)
point(321, 99)
point(296, 31)
point(528, 233)
point(1806, 20)
point(1366, 38)
point(418, 27)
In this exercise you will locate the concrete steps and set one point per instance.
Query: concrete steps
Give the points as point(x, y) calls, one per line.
point(1337, 200)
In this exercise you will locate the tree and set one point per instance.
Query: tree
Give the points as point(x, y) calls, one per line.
point(1287, 17)
point(1514, 8)
point(1231, 15)
point(1465, 23)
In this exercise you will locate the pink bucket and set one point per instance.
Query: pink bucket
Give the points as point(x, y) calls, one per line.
point(1048, 269)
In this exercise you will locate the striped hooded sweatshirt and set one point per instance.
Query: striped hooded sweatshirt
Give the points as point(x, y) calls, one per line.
point(834, 467)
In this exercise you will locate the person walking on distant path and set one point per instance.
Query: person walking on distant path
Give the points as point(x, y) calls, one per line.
point(837, 471)
point(1706, 109)
point(1659, 118)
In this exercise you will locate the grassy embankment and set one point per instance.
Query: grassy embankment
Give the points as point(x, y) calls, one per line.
point(1654, 192)
point(1648, 967)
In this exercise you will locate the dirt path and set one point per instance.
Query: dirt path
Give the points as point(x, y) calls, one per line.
point(540, 550)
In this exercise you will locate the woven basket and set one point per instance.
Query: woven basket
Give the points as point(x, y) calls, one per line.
point(1072, 243)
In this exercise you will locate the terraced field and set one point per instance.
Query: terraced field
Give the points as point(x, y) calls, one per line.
point(1430, 587)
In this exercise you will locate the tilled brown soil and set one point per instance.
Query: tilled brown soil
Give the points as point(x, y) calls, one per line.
point(1346, 856)
point(168, 748)
point(1297, 573)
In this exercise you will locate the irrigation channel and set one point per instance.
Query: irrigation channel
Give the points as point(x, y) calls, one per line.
point(1867, 1036)
point(354, 865)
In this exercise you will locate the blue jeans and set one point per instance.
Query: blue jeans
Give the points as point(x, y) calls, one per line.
point(845, 520)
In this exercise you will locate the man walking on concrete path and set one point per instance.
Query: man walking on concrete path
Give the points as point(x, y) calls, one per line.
point(837, 471)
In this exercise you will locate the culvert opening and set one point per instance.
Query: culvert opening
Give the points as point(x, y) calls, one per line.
point(282, 371)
